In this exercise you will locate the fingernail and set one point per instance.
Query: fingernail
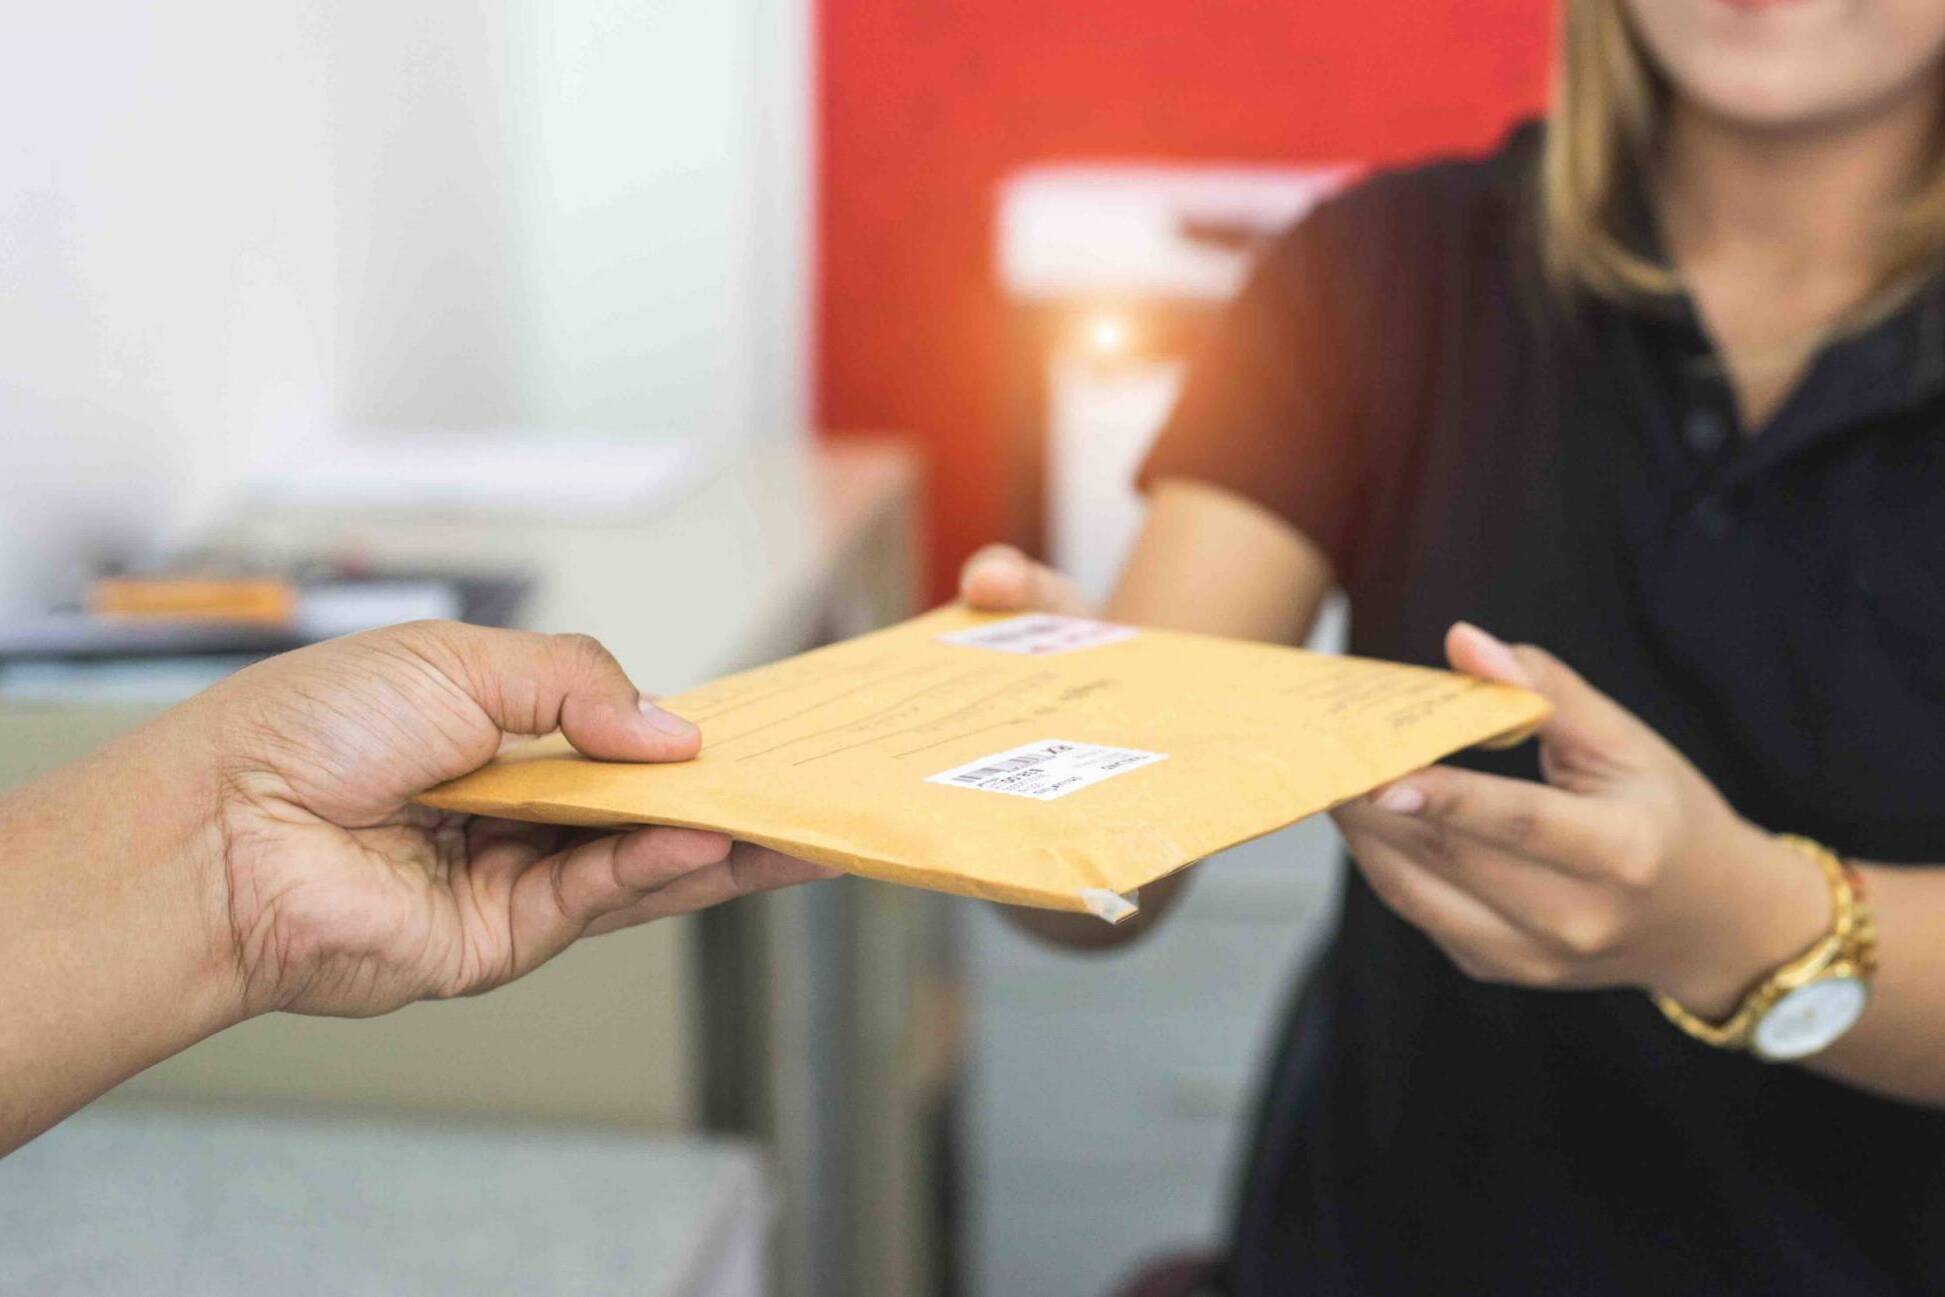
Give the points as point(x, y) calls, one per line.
point(665, 721)
point(1495, 651)
point(996, 563)
point(1401, 799)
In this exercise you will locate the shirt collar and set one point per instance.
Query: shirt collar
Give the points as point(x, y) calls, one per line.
point(1890, 366)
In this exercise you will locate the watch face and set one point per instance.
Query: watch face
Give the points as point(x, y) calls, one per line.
point(1809, 1018)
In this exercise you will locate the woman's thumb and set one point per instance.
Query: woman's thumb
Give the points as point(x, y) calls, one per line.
point(999, 578)
point(1582, 715)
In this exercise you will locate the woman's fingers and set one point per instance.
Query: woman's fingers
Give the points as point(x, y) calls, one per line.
point(1564, 917)
point(999, 578)
point(1560, 830)
point(488, 838)
point(1481, 941)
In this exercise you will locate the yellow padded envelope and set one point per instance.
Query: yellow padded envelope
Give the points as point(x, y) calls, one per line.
point(1036, 760)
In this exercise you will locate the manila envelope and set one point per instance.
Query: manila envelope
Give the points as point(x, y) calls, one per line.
point(1034, 760)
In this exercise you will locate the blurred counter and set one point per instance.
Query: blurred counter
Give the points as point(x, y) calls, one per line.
point(181, 1204)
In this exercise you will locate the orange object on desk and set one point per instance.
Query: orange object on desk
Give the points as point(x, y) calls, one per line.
point(255, 599)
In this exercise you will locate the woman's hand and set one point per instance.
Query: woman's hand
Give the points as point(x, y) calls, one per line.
point(1626, 868)
point(339, 896)
point(999, 578)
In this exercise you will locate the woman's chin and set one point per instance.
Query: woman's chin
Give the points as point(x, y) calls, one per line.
point(1777, 98)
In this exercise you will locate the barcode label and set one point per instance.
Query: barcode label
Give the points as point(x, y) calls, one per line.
point(1045, 770)
point(1041, 633)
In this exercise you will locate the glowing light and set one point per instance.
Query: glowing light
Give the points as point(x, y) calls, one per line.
point(1107, 335)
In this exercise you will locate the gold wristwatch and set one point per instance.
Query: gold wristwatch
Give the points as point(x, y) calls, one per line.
point(1803, 1006)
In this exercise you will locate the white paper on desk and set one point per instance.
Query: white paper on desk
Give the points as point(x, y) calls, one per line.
point(499, 472)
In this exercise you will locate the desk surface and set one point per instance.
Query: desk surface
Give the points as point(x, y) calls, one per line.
point(177, 1205)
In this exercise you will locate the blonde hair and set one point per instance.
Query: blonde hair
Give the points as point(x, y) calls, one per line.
point(1601, 142)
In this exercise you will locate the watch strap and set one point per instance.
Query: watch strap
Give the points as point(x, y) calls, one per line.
point(1848, 949)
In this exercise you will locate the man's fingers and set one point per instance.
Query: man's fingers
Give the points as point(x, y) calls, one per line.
point(750, 868)
point(623, 879)
point(999, 578)
point(556, 899)
point(485, 834)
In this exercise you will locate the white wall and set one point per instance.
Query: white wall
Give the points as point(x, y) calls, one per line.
point(223, 222)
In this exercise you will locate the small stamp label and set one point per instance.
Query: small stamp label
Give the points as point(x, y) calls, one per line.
point(1040, 633)
point(1046, 770)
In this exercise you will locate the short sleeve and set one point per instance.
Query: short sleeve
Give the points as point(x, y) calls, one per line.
point(1275, 405)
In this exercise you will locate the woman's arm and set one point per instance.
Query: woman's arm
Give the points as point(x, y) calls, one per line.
point(1206, 560)
point(1898, 1047)
point(1211, 561)
point(1627, 869)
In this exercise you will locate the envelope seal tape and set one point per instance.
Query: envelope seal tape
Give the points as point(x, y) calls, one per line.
point(1112, 906)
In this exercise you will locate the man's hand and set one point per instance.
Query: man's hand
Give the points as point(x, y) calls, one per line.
point(1625, 868)
point(257, 849)
point(339, 896)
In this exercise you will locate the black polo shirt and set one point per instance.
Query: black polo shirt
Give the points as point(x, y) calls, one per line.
point(1399, 384)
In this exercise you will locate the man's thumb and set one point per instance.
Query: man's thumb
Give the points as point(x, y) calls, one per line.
point(533, 684)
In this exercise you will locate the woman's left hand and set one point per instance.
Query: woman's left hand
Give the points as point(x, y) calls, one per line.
point(1625, 868)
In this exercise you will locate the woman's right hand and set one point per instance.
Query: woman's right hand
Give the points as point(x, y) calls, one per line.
point(999, 578)
point(1206, 561)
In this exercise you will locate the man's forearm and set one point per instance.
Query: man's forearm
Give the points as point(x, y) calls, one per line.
point(111, 949)
point(1898, 1046)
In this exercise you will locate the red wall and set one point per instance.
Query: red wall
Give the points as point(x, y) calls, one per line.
point(925, 104)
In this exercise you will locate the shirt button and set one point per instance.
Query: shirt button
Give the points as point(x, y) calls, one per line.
point(1704, 430)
